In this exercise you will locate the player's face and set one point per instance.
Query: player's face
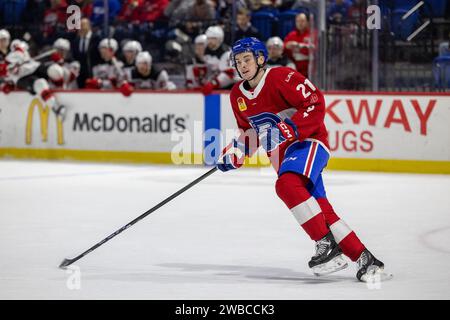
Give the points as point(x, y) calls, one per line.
point(246, 65)
point(213, 43)
point(4, 43)
point(275, 52)
point(200, 49)
point(143, 68)
point(106, 53)
point(129, 56)
point(301, 22)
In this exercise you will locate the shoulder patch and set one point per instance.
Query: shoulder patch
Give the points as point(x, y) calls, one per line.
point(241, 104)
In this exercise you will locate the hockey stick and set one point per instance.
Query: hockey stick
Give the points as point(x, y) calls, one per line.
point(67, 262)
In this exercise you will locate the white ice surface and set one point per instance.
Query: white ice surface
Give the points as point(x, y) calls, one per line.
point(228, 237)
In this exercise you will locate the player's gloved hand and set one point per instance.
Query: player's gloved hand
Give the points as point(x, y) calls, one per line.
point(126, 89)
point(7, 87)
point(57, 57)
point(232, 156)
point(3, 69)
point(209, 87)
point(288, 129)
point(93, 83)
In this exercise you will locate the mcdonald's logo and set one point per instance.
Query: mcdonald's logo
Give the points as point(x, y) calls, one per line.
point(44, 112)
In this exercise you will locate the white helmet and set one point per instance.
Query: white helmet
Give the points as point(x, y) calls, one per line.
point(62, 44)
point(275, 42)
point(4, 34)
point(144, 57)
point(108, 43)
point(215, 32)
point(19, 44)
point(55, 72)
point(201, 39)
point(132, 45)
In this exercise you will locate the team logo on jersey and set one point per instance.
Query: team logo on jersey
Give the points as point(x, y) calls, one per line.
point(44, 113)
point(241, 104)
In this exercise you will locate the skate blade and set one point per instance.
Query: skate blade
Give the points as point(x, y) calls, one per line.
point(376, 274)
point(336, 264)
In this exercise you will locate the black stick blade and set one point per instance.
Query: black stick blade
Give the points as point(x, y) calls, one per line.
point(65, 263)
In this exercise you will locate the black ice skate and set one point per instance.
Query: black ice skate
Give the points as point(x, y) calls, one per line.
point(370, 269)
point(328, 257)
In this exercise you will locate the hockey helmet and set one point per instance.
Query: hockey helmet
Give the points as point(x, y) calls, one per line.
point(62, 44)
point(108, 43)
point(132, 45)
point(55, 72)
point(215, 32)
point(201, 39)
point(252, 45)
point(4, 34)
point(18, 44)
point(144, 57)
point(275, 42)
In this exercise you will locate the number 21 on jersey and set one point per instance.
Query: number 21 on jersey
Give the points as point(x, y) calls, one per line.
point(306, 88)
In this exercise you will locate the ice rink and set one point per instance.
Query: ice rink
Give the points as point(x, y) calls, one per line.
point(228, 237)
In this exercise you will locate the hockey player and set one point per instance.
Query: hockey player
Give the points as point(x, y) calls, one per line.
point(197, 72)
point(130, 50)
point(108, 74)
point(217, 57)
point(62, 72)
point(21, 71)
point(147, 76)
point(5, 38)
point(276, 58)
point(286, 112)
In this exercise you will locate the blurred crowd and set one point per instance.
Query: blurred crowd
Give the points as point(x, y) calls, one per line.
point(144, 44)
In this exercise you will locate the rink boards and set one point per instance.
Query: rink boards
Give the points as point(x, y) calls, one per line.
point(407, 132)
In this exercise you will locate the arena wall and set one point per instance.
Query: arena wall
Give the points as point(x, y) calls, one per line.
point(401, 132)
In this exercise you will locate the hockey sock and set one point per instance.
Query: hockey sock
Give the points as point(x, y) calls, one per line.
point(291, 188)
point(347, 239)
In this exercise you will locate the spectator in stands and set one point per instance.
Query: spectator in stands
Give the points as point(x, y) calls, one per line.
point(152, 10)
point(224, 9)
point(338, 12)
point(275, 46)
point(198, 14)
point(11, 11)
point(131, 11)
point(84, 50)
point(177, 10)
point(5, 39)
point(255, 5)
point(54, 23)
point(297, 44)
point(244, 28)
point(98, 11)
point(201, 10)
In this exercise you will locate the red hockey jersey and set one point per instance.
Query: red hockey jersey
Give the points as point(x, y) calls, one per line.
point(282, 93)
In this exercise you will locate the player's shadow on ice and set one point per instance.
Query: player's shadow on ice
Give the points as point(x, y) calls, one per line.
point(255, 272)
